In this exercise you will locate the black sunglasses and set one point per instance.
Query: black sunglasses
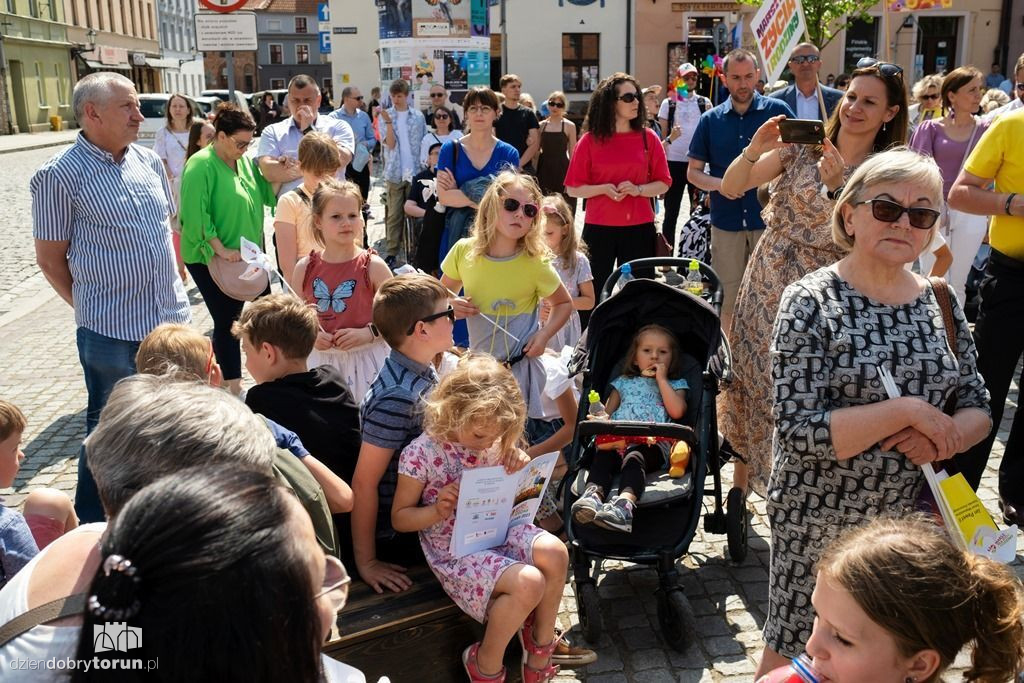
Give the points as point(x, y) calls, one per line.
point(358, 97)
point(449, 312)
point(628, 98)
point(441, 116)
point(512, 205)
point(885, 68)
point(889, 212)
point(805, 59)
point(928, 97)
point(437, 94)
point(556, 103)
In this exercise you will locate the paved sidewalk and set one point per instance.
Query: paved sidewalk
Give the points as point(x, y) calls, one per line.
point(40, 373)
point(22, 142)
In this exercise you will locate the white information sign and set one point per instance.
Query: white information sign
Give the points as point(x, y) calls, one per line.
point(224, 32)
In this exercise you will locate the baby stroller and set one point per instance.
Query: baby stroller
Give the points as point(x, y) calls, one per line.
point(666, 517)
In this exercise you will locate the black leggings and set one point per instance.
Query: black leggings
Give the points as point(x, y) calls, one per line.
point(674, 199)
point(632, 467)
point(224, 310)
point(609, 244)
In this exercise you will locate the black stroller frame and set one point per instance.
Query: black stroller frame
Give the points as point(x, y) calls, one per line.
point(662, 532)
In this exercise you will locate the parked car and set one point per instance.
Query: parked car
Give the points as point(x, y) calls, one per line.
point(154, 108)
point(242, 99)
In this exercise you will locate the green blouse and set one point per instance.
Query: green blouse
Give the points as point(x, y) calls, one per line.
point(218, 202)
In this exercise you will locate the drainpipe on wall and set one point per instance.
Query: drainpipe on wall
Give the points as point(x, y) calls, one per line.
point(629, 35)
point(504, 41)
point(1002, 50)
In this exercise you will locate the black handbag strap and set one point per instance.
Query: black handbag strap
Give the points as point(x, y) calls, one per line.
point(55, 609)
point(941, 291)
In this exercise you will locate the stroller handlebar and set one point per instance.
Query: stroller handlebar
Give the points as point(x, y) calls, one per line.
point(714, 283)
point(590, 428)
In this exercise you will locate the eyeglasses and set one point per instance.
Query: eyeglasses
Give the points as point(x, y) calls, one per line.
point(556, 103)
point(242, 146)
point(889, 212)
point(450, 312)
point(358, 97)
point(437, 94)
point(928, 97)
point(805, 59)
point(512, 205)
point(884, 68)
point(441, 116)
point(479, 109)
point(336, 583)
point(628, 98)
point(209, 361)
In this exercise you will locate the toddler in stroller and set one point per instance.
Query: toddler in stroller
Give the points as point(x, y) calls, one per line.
point(648, 390)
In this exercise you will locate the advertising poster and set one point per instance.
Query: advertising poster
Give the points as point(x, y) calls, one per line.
point(395, 18)
point(440, 18)
point(479, 68)
point(480, 19)
point(456, 70)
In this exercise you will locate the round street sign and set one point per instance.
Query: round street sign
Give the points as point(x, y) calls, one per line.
point(222, 5)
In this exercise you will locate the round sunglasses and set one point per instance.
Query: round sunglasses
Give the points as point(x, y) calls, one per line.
point(512, 205)
point(889, 211)
point(556, 103)
point(628, 98)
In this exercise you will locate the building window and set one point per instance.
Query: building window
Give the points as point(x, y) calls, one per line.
point(276, 53)
point(11, 9)
point(580, 62)
point(62, 85)
point(52, 8)
point(277, 84)
point(300, 25)
point(274, 25)
point(33, 8)
point(302, 53)
point(40, 85)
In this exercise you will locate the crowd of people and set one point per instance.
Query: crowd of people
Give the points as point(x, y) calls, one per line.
point(374, 391)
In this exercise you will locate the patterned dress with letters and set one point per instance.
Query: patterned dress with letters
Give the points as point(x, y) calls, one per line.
point(828, 343)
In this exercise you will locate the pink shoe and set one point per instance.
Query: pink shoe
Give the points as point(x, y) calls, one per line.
point(473, 670)
point(530, 646)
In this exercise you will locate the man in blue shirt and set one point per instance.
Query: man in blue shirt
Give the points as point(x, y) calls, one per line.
point(722, 133)
point(351, 112)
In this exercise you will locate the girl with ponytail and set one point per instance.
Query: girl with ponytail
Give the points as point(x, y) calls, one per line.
point(896, 601)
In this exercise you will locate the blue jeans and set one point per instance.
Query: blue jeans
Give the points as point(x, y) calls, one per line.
point(105, 360)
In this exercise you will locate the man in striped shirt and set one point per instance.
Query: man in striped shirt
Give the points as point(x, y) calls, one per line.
point(100, 220)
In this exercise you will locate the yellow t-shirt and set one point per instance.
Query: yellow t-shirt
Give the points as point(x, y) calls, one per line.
point(292, 209)
point(520, 280)
point(997, 155)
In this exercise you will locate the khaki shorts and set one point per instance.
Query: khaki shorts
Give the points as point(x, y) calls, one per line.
point(730, 251)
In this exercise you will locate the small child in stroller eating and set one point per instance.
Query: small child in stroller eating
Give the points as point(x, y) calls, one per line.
point(648, 390)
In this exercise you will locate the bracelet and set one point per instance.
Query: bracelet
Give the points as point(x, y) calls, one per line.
point(1009, 200)
point(743, 153)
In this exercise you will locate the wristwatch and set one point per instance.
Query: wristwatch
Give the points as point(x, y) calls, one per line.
point(308, 129)
point(373, 330)
point(834, 194)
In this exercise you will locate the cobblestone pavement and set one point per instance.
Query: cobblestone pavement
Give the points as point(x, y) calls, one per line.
point(40, 372)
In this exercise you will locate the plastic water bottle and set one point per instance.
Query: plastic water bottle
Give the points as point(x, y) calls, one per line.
point(800, 670)
point(596, 407)
point(694, 281)
point(625, 275)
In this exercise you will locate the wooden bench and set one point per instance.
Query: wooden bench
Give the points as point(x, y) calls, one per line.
point(415, 635)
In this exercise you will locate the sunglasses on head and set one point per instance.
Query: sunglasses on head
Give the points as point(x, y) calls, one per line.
point(448, 312)
point(805, 59)
point(628, 98)
point(512, 205)
point(888, 211)
point(884, 68)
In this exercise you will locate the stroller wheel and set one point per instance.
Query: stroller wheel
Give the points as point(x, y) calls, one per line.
point(676, 619)
point(590, 611)
point(736, 524)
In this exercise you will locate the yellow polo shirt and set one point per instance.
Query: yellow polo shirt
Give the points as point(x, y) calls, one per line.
point(998, 156)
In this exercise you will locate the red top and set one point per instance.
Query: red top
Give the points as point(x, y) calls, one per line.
point(618, 159)
point(342, 292)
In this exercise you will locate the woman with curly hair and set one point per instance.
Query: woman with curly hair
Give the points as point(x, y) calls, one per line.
point(618, 166)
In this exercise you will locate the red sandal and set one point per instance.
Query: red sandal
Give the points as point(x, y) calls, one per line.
point(473, 669)
point(530, 646)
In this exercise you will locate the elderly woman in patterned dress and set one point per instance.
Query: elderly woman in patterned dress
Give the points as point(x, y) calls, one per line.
point(871, 117)
point(843, 452)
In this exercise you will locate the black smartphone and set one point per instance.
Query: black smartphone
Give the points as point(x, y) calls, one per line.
point(802, 131)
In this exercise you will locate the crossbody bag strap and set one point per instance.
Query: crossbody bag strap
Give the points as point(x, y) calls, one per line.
point(55, 609)
point(941, 290)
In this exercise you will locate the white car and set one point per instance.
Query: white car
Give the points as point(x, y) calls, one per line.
point(154, 108)
point(242, 99)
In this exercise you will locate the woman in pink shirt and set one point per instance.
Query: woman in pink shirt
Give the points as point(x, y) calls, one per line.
point(618, 166)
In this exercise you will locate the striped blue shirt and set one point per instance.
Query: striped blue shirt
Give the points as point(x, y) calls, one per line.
point(115, 217)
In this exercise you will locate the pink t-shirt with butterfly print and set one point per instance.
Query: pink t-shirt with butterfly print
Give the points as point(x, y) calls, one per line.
point(341, 292)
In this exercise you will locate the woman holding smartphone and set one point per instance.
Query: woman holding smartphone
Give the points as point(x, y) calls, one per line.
point(805, 182)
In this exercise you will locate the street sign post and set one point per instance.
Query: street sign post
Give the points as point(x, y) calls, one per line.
point(223, 32)
point(325, 43)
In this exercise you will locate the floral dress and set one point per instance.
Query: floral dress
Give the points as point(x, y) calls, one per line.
point(797, 240)
point(468, 580)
